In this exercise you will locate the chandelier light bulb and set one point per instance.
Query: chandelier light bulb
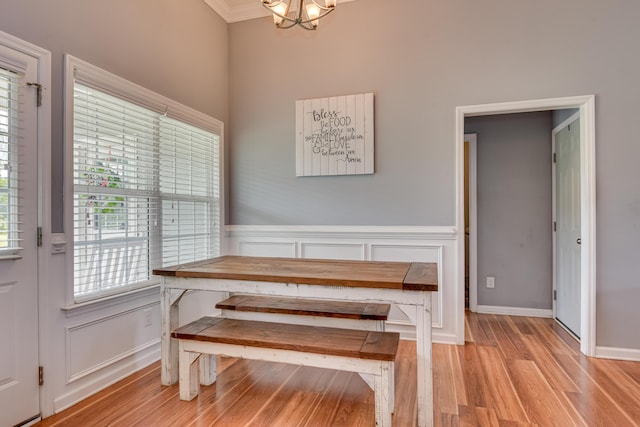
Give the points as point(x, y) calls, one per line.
point(279, 9)
point(313, 11)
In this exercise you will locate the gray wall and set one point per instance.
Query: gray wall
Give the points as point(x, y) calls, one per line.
point(422, 58)
point(363, 47)
point(176, 48)
point(514, 208)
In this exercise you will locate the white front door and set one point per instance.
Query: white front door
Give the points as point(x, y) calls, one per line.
point(19, 388)
point(567, 238)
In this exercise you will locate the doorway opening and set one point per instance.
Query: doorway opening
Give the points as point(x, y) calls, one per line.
point(586, 108)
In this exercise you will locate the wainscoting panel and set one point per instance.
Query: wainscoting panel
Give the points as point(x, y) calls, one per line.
point(332, 251)
point(276, 249)
point(408, 244)
point(8, 303)
point(97, 344)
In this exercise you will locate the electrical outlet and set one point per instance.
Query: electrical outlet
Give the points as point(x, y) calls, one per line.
point(147, 317)
point(491, 282)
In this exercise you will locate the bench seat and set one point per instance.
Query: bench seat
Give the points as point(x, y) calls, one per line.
point(365, 352)
point(331, 313)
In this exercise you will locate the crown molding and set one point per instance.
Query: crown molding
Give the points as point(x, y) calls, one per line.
point(235, 11)
point(246, 11)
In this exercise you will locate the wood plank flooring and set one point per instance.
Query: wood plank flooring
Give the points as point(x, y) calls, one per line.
point(513, 371)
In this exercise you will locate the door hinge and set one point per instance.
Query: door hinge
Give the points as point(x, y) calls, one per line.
point(39, 236)
point(40, 375)
point(555, 295)
point(38, 87)
point(554, 157)
point(555, 225)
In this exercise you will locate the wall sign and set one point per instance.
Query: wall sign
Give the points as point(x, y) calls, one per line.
point(334, 136)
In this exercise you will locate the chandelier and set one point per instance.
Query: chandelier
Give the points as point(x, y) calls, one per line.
point(314, 11)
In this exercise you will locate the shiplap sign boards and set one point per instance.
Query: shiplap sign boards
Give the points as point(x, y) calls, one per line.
point(334, 136)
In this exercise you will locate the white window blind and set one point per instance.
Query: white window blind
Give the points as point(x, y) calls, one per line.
point(10, 230)
point(146, 193)
point(189, 191)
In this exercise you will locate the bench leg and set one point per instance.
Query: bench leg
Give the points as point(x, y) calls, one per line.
point(368, 378)
point(188, 368)
point(382, 390)
point(207, 369)
point(392, 387)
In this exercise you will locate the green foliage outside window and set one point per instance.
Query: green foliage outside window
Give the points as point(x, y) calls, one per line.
point(109, 211)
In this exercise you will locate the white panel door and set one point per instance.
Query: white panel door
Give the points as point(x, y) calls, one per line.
point(567, 172)
point(19, 389)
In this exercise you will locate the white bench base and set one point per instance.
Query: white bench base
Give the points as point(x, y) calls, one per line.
point(193, 373)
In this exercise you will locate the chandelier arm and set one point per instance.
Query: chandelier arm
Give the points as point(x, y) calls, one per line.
point(291, 23)
point(322, 15)
point(285, 16)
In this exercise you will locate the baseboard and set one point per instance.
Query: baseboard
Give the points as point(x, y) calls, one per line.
point(407, 332)
point(618, 353)
point(515, 311)
point(440, 338)
point(97, 382)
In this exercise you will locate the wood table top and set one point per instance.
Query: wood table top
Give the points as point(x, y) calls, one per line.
point(414, 276)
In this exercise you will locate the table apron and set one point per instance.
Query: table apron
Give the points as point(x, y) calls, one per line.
point(348, 293)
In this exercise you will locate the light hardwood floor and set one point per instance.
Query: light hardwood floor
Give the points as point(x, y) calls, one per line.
point(513, 371)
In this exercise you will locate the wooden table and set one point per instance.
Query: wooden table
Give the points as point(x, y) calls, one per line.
point(409, 284)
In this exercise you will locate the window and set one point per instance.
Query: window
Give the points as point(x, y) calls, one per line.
point(9, 223)
point(146, 183)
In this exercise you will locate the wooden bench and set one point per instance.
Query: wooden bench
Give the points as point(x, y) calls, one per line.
point(364, 352)
point(315, 312)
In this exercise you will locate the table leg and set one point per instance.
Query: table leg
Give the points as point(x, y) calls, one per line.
point(425, 373)
point(168, 345)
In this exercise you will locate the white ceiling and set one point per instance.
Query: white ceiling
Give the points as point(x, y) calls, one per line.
point(241, 10)
point(237, 10)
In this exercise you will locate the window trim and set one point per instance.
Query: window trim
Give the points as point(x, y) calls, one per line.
point(91, 75)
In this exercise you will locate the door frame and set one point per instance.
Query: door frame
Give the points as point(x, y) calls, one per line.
point(472, 139)
point(586, 106)
point(43, 58)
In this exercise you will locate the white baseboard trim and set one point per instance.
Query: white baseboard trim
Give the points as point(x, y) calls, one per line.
point(440, 338)
point(407, 332)
point(515, 311)
point(97, 382)
point(618, 353)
